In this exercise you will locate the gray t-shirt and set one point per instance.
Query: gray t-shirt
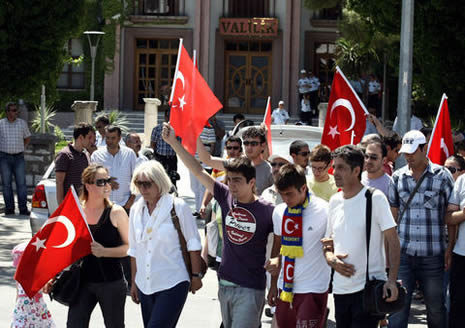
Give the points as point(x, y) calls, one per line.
point(264, 179)
point(381, 183)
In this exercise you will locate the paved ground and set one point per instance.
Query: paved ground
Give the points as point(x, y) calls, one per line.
point(201, 310)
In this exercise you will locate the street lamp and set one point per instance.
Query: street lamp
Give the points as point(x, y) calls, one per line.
point(93, 52)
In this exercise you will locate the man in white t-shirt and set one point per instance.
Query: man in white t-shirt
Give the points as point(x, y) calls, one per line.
point(303, 281)
point(345, 241)
point(280, 114)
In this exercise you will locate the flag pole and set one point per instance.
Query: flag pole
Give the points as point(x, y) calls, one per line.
point(176, 71)
point(194, 58)
point(352, 89)
point(444, 97)
point(76, 198)
point(266, 108)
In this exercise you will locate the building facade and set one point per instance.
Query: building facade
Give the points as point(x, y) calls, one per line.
point(246, 50)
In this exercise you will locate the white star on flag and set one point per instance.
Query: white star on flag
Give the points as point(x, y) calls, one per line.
point(182, 102)
point(333, 131)
point(39, 243)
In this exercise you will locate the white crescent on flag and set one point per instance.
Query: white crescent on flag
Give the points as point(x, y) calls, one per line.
point(71, 232)
point(341, 102)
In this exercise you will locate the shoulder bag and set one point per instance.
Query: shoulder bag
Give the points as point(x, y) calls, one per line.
point(373, 301)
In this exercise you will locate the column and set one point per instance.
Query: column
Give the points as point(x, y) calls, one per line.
point(83, 111)
point(150, 118)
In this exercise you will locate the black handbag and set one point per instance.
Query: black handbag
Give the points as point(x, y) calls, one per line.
point(65, 288)
point(373, 301)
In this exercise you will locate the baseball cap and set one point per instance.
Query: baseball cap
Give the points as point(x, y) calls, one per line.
point(411, 140)
point(281, 102)
point(285, 157)
point(302, 71)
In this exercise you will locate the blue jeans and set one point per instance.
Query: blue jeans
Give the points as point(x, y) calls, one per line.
point(429, 271)
point(13, 165)
point(162, 309)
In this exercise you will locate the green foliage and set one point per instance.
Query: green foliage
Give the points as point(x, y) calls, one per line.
point(118, 118)
point(60, 145)
point(49, 114)
point(59, 133)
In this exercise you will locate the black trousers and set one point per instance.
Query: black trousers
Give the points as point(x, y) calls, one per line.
point(111, 296)
point(170, 163)
point(457, 292)
point(350, 314)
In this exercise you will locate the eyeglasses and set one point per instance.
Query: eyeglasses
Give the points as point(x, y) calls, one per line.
point(102, 182)
point(251, 143)
point(372, 157)
point(278, 163)
point(321, 168)
point(303, 153)
point(145, 184)
point(233, 147)
point(452, 169)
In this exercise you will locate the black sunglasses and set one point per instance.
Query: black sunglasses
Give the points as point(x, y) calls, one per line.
point(145, 184)
point(233, 147)
point(102, 182)
point(251, 143)
point(278, 163)
point(452, 169)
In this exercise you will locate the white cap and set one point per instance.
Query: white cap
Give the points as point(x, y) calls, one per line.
point(281, 102)
point(287, 158)
point(411, 140)
point(302, 71)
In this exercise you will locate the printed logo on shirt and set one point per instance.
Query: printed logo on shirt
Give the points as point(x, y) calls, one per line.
point(240, 225)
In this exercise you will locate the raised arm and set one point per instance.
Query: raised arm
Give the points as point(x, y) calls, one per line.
point(207, 158)
point(189, 161)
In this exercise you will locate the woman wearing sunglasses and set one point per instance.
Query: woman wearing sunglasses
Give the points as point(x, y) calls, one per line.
point(160, 281)
point(102, 279)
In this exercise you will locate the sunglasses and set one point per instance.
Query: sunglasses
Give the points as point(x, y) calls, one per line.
point(233, 147)
point(145, 184)
point(452, 169)
point(303, 153)
point(278, 163)
point(251, 143)
point(372, 157)
point(102, 182)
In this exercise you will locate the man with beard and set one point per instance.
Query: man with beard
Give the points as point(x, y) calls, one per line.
point(374, 174)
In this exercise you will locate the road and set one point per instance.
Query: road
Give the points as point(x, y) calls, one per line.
point(201, 310)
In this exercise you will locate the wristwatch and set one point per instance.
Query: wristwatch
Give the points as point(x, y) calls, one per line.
point(197, 275)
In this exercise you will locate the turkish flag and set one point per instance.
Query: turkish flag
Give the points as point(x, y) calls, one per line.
point(267, 122)
point(345, 118)
point(441, 145)
point(192, 101)
point(62, 240)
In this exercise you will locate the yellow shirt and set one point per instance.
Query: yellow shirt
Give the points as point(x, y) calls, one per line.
point(323, 189)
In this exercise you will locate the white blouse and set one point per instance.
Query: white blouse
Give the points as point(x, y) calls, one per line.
point(154, 243)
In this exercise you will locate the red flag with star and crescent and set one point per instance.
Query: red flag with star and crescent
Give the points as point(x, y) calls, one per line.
point(346, 114)
point(192, 101)
point(441, 144)
point(62, 240)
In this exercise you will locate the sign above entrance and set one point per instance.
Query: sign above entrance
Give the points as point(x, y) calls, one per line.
point(262, 27)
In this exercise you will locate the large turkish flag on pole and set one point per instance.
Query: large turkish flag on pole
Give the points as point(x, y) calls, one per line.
point(267, 122)
point(441, 144)
point(192, 101)
point(345, 118)
point(63, 239)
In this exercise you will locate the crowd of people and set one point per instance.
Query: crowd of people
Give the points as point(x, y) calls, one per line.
point(290, 228)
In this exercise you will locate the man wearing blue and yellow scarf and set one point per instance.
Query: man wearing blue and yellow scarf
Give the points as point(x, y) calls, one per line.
point(301, 291)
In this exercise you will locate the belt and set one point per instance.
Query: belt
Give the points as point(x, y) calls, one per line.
point(16, 154)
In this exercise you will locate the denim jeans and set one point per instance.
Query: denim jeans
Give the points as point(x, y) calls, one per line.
point(13, 165)
point(429, 271)
point(457, 294)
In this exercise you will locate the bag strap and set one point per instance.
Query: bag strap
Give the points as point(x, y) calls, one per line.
point(182, 241)
point(412, 194)
point(368, 195)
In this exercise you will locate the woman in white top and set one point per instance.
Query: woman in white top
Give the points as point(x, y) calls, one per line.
point(160, 281)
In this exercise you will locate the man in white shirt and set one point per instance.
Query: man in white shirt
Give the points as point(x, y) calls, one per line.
point(280, 114)
point(345, 243)
point(120, 162)
point(133, 141)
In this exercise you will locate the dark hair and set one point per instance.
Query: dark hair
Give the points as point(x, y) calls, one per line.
point(254, 132)
point(392, 141)
point(113, 128)
point(296, 146)
point(241, 165)
point(459, 145)
point(352, 155)
point(234, 139)
point(82, 129)
point(239, 117)
point(421, 146)
point(381, 145)
point(320, 153)
point(459, 160)
point(290, 175)
point(102, 118)
point(8, 105)
point(129, 135)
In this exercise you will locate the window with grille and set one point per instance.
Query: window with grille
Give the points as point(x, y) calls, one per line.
point(72, 76)
point(159, 7)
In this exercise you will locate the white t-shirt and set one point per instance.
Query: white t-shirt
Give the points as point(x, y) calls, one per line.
point(346, 225)
point(311, 272)
point(280, 116)
point(305, 105)
point(458, 198)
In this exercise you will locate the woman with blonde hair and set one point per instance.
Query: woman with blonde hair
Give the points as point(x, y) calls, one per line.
point(160, 281)
point(102, 279)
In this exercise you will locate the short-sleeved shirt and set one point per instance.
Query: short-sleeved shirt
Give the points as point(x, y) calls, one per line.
point(120, 166)
point(381, 183)
point(304, 85)
point(458, 198)
point(161, 147)
point(323, 189)
point(346, 225)
point(12, 135)
point(421, 228)
point(73, 163)
point(245, 233)
point(280, 116)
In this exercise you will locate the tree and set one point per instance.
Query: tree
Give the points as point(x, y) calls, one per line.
point(32, 38)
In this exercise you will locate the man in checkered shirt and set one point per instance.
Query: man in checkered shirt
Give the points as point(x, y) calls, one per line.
point(424, 255)
point(14, 137)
